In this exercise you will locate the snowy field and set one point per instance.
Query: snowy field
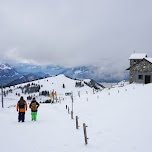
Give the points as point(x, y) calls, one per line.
point(118, 119)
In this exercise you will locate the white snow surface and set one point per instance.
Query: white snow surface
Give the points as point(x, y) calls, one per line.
point(118, 119)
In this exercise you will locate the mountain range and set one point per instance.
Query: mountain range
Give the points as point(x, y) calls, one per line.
point(23, 72)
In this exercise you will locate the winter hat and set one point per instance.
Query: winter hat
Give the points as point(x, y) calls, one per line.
point(21, 98)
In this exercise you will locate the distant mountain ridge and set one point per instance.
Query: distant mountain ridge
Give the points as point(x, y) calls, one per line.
point(25, 72)
point(10, 76)
point(97, 73)
point(23, 79)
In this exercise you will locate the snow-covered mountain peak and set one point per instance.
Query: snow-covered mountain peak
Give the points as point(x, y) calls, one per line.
point(4, 66)
point(7, 73)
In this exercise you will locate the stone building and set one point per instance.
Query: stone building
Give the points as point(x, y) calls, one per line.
point(140, 68)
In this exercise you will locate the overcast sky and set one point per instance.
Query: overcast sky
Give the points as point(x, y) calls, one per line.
point(75, 32)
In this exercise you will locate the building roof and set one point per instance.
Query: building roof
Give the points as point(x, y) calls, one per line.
point(149, 59)
point(138, 56)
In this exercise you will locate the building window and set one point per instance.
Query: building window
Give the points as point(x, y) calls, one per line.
point(140, 77)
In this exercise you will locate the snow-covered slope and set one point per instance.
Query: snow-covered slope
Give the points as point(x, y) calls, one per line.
point(118, 119)
point(50, 84)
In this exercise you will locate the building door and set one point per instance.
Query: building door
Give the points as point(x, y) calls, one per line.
point(147, 79)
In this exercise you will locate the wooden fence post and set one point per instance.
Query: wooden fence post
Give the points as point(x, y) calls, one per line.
point(71, 114)
point(85, 133)
point(68, 110)
point(79, 93)
point(77, 124)
point(2, 96)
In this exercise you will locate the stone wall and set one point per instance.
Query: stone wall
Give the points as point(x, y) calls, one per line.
point(142, 68)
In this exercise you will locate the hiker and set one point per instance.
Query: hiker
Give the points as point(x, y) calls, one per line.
point(34, 107)
point(21, 107)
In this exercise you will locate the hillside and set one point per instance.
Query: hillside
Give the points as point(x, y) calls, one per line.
point(118, 119)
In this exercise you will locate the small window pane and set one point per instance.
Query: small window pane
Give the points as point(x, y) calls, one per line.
point(140, 76)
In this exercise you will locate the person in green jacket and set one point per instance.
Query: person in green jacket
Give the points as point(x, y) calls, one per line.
point(34, 108)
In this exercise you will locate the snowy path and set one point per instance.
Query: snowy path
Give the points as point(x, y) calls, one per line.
point(50, 132)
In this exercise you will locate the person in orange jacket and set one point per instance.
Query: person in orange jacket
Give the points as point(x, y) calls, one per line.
point(21, 107)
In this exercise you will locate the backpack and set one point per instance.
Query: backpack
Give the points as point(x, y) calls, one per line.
point(21, 104)
point(33, 106)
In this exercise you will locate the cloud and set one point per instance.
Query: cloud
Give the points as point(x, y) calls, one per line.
point(74, 33)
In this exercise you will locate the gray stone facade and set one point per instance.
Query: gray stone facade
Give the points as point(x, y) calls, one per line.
point(140, 71)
